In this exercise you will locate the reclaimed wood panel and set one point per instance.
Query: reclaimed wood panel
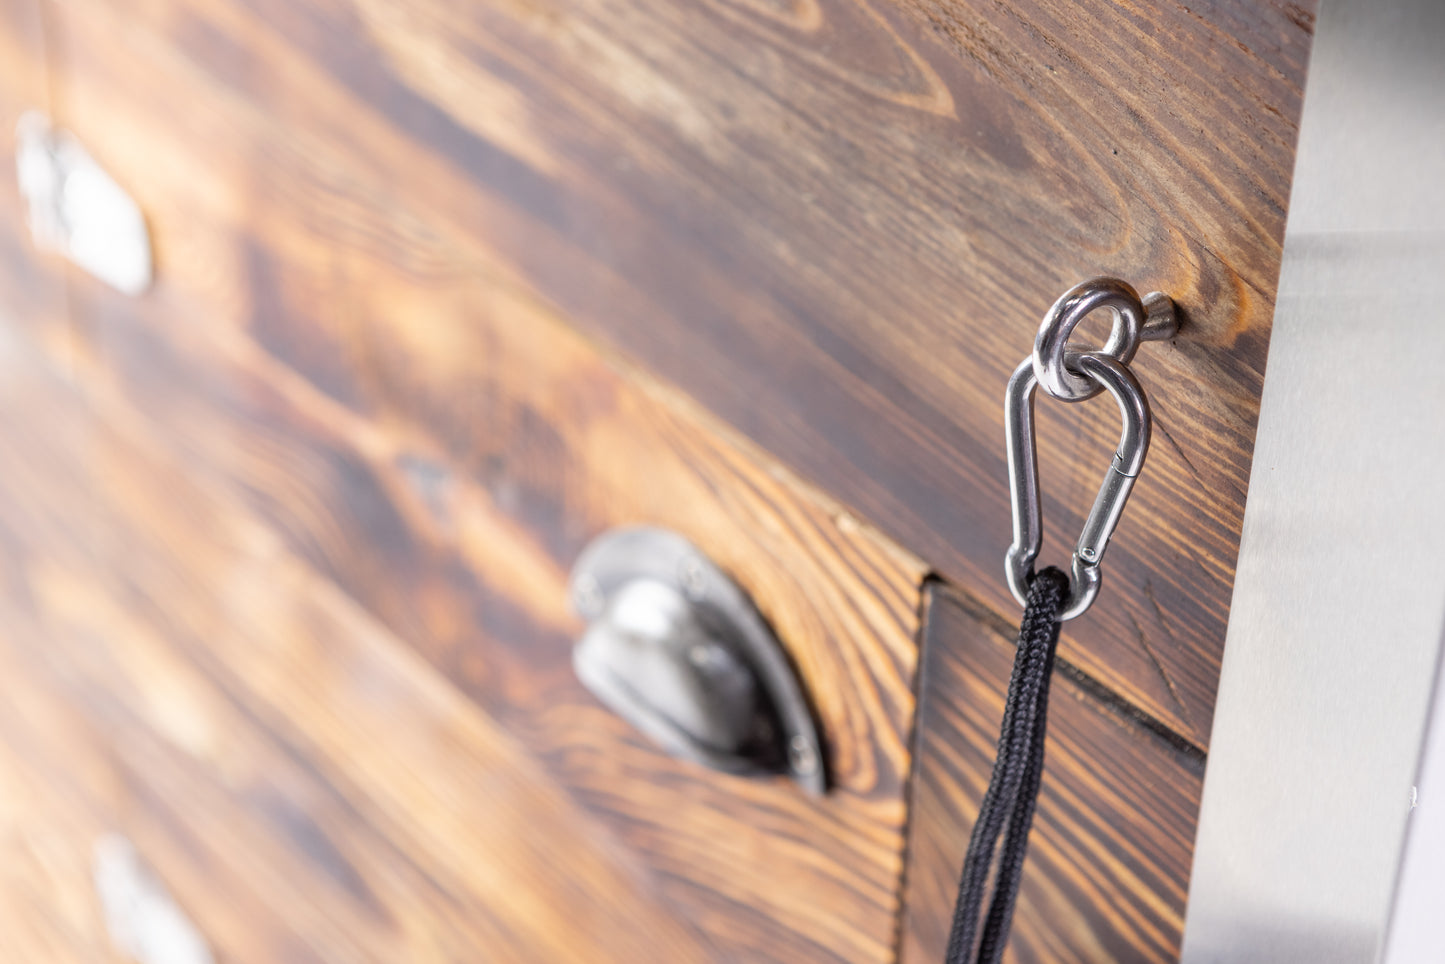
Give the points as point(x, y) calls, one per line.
point(310, 788)
point(835, 222)
point(466, 564)
point(748, 862)
point(1108, 864)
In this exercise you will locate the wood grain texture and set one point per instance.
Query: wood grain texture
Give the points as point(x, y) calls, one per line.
point(764, 873)
point(450, 530)
point(835, 222)
point(305, 782)
point(1108, 862)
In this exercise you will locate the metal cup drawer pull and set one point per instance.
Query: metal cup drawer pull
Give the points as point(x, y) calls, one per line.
point(674, 647)
point(144, 921)
point(78, 210)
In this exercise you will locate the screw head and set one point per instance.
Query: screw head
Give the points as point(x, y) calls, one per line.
point(692, 578)
point(587, 596)
point(802, 755)
point(706, 657)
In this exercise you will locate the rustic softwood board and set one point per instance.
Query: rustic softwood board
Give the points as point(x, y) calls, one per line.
point(228, 584)
point(836, 222)
point(1108, 860)
point(284, 568)
point(309, 788)
point(216, 521)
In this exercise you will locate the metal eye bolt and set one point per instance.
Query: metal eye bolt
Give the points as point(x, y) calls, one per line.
point(1152, 319)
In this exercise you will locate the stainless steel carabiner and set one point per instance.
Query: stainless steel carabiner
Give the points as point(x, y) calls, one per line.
point(1105, 371)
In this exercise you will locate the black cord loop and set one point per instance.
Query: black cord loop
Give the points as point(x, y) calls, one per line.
point(1013, 789)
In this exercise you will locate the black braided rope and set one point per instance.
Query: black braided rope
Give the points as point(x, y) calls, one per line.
point(1013, 789)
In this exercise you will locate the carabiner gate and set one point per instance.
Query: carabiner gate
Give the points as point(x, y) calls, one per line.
point(1023, 466)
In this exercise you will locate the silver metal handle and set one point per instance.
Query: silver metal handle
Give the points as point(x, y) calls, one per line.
point(677, 649)
point(78, 210)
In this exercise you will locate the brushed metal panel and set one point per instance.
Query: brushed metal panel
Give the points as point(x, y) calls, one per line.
point(1339, 598)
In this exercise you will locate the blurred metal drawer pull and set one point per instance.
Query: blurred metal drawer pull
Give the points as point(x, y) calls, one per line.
point(144, 921)
point(77, 209)
point(678, 650)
